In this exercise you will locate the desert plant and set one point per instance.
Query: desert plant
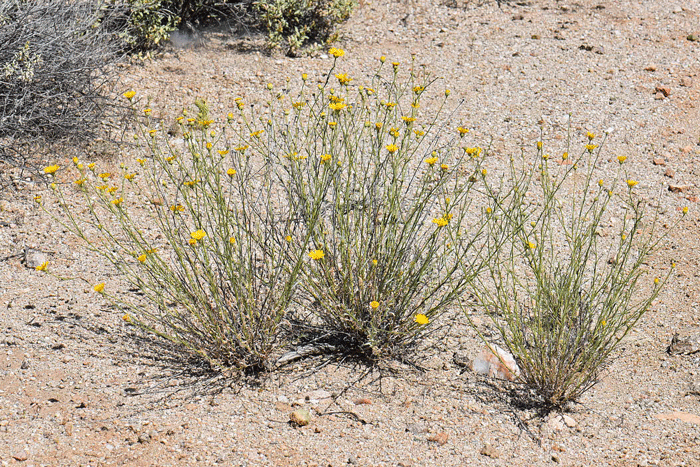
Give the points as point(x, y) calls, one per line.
point(566, 287)
point(297, 23)
point(55, 70)
point(197, 230)
point(381, 193)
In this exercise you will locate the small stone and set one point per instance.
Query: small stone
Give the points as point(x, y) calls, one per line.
point(352, 459)
point(440, 438)
point(34, 258)
point(693, 37)
point(650, 68)
point(686, 82)
point(20, 455)
point(283, 399)
point(678, 188)
point(555, 458)
point(556, 423)
point(684, 345)
point(569, 421)
point(301, 417)
point(669, 173)
point(24, 365)
point(665, 90)
point(658, 96)
point(500, 364)
point(659, 161)
point(144, 438)
point(416, 428)
point(489, 451)
point(363, 401)
point(600, 50)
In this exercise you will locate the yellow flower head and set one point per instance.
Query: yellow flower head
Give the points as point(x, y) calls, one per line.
point(288, 238)
point(590, 147)
point(431, 160)
point(447, 93)
point(129, 94)
point(304, 76)
point(419, 133)
point(37, 198)
point(99, 288)
point(590, 136)
point(374, 304)
point(231, 172)
point(685, 210)
point(382, 59)
point(336, 52)
point(129, 176)
point(532, 245)
point(177, 208)
point(631, 183)
point(656, 280)
point(343, 79)
point(374, 262)
point(80, 181)
point(484, 172)
point(126, 318)
point(440, 221)
point(408, 120)
point(565, 156)
point(198, 234)
point(621, 159)
point(104, 176)
point(232, 240)
point(332, 124)
point(142, 258)
point(192, 241)
point(42, 266)
point(117, 201)
point(462, 131)
point(418, 89)
point(223, 152)
point(392, 148)
point(91, 165)
point(325, 157)
point(337, 106)
point(444, 166)
point(316, 254)
point(539, 145)
point(147, 111)
point(421, 319)
point(51, 169)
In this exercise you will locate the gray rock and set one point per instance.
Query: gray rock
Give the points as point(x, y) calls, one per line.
point(34, 258)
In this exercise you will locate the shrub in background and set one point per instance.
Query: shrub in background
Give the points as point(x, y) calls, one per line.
point(561, 295)
point(296, 23)
point(55, 70)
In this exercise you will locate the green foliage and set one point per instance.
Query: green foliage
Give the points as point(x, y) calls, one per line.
point(148, 22)
point(296, 23)
point(566, 287)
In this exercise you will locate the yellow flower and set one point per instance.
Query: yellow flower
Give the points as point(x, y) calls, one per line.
point(126, 318)
point(209, 145)
point(532, 245)
point(447, 92)
point(408, 120)
point(431, 160)
point(316, 254)
point(395, 65)
point(565, 156)
point(53, 186)
point(332, 124)
point(269, 86)
point(382, 59)
point(440, 221)
point(231, 172)
point(336, 52)
point(484, 172)
point(621, 159)
point(42, 266)
point(298, 105)
point(152, 132)
point(80, 181)
point(590, 147)
point(147, 111)
point(117, 202)
point(170, 159)
point(378, 126)
point(421, 319)
point(304, 76)
point(489, 210)
point(198, 234)
point(392, 148)
point(590, 136)
point(419, 133)
point(444, 166)
point(288, 238)
point(685, 209)
point(545, 156)
point(192, 241)
point(177, 208)
point(343, 79)
point(99, 288)
point(462, 131)
point(603, 323)
point(631, 183)
point(256, 134)
point(51, 169)
point(129, 176)
point(374, 262)
point(394, 132)
point(232, 240)
point(241, 148)
point(75, 160)
point(389, 105)
point(191, 183)
point(374, 304)
point(91, 165)
point(142, 258)
point(37, 198)
point(129, 94)
point(325, 157)
point(656, 280)
point(418, 89)
point(104, 176)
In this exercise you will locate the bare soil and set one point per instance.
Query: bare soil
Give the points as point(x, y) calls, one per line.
point(79, 387)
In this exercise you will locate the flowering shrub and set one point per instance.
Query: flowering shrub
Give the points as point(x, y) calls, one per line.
point(565, 288)
point(349, 203)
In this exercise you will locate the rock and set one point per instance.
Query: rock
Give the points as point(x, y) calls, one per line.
point(659, 161)
point(650, 68)
point(569, 421)
point(440, 438)
point(283, 399)
point(363, 401)
point(686, 82)
point(144, 437)
point(684, 345)
point(34, 258)
point(665, 90)
point(20, 455)
point(678, 188)
point(556, 423)
point(490, 451)
point(658, 96)
point(669, 173)
point(301, 417)
point(500, 364)
point(352, 459)
point(461, 359)
point(682, 416)
point(555, 458)
point(693, 37)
